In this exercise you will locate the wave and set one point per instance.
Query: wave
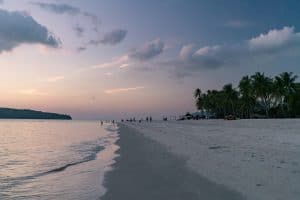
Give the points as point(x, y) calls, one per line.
point(88, 151)
point(83, 152)
point(86, 159)
point(112, 128)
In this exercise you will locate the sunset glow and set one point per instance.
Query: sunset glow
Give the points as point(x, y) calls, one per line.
point(99, 59)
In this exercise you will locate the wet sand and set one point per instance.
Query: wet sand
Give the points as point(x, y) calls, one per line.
point(146, 170)
point(258, 158)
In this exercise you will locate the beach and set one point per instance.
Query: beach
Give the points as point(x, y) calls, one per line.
point(146, 170)
point(207, 159)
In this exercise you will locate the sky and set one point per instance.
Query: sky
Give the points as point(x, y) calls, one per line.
point(112, 59)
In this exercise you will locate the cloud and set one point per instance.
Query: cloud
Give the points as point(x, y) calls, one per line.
point(93, 18)
point(69, 10)
point(148, 51)
point(277, 42)
point(207, 51)
point(19, 28)
point(116, 62)
point(186, 52)
point(119, 90)
point(1, 1)
point(58, 8)
point(136, 56)
point(124, 65)
point(114, 37)
point(80, 49)
point(191, 59)
point(55, 79)
point(111, 38)
point(31, 92)
point(274, 39)
point(79, 30)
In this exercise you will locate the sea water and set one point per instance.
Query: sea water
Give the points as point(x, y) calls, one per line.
point(55, 159)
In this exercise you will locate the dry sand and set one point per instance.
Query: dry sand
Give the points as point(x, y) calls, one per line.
point(258, 158)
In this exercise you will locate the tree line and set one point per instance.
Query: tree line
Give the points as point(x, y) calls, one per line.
point(255, 96)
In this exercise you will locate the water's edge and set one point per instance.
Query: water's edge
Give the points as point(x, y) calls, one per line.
point(146, 170)
point(50, 160)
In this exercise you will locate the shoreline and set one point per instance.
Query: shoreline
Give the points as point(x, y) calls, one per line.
point(257, 158)
point(146, 170)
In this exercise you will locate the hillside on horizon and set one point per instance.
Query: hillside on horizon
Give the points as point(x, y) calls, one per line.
point(12, 113)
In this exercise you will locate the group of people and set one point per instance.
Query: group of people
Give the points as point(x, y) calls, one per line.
point(113, 122)
point(148, 119)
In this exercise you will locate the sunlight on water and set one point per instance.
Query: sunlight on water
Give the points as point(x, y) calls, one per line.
point(54, 159)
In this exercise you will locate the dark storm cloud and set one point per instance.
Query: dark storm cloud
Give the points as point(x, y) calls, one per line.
point(18, 28)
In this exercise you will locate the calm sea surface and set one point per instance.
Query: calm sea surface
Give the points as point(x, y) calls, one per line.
point(55, 159)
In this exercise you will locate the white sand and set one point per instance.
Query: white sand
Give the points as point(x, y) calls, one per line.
point(145, 170)
point(258, 158)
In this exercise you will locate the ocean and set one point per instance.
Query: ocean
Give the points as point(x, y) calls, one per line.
point(49, 159)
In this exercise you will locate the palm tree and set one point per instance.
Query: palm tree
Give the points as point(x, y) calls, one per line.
point(217, 102)
point(263, 90)
point(279, 93)
point(257, 93)
point(247, 101)
point(207, 101)
point(230, 98)
point(197, 93)
point(198, 97)
point(285, 86)
point(214, 102)
point(294, 102)
point(288, 80)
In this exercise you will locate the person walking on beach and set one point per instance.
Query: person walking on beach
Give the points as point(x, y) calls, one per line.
point(147, 119)
point(150, 119)
point(101, 122)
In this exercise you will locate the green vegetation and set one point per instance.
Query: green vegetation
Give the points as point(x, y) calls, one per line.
point(256, 96)
point(8, 113)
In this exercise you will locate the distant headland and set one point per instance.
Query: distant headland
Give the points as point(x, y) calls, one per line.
point(10, 113)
